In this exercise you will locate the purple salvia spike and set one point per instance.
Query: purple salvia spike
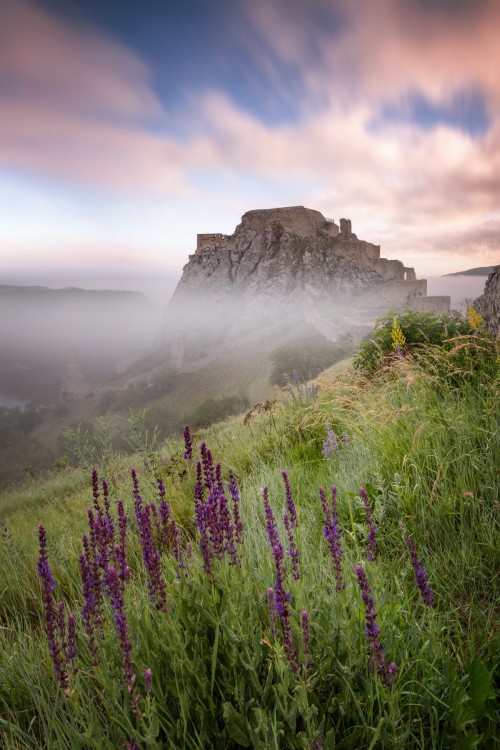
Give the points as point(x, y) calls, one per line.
point(272, 532)
point(188, 444)
point(293, 551)
point(161, 489)
point(151, 558)
point(420, 574)
point(281, 596)
point(49, 610)
point(117, 603)
point(331, 532)
point(372, 531)
point(378, 661)
point(95, 491)
point(71, 650)
point(208, 466)
point(218, 478)
point(290, 505)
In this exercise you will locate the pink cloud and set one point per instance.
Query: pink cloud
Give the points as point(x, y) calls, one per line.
point(74, 104)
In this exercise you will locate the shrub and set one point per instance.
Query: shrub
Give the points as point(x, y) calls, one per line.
point(307, 355)
point(417, 328)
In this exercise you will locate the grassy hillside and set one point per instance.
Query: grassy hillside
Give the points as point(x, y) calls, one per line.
point(210, 636)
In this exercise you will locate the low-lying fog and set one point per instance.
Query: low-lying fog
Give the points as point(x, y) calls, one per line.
point(459, 288)
point(39, 326)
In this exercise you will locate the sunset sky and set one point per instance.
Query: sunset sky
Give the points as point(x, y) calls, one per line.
point(127, 127)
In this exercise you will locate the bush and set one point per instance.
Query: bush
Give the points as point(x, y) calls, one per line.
point(306, 355)
point(418, 328)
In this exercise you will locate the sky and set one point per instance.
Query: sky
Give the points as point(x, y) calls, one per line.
point(128, 127)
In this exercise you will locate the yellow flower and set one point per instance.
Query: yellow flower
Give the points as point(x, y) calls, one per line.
point(397, 337)
point(475, 318)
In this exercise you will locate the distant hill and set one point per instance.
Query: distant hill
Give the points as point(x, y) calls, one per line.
point(481, 271)
point(41, 325)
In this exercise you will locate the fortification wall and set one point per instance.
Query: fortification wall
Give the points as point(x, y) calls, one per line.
point(394, 293)
point(203, 240)
point(437, 303)
point(360, 251)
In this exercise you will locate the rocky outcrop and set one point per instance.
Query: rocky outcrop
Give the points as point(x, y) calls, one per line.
point(285, 261)
point(488, 304)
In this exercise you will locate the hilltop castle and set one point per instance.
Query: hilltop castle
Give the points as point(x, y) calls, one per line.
point(289, 261)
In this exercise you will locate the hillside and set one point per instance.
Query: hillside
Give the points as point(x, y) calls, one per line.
point(221, 639)
point(480, 271)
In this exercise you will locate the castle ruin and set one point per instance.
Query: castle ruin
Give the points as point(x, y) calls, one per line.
point(398, 285)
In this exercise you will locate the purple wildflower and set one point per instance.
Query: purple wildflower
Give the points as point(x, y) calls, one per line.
point(188, 444)
point(293, 551)
point(281, 596)
point(271, 529)
point(372, 531)
point(331, 532)
point(95, 491)
point(331, 444)
point(148, 680)
point(72, 649)
point(420, 574)
point(378, 661)
point(117, 603)
point(306, 636)
point(152, 560)
point(207, 463)
point(51, 619)
point(92, 611)
point(290, 505)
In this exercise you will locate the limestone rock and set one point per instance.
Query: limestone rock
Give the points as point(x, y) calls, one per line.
point(488, 304)
point(285, 262)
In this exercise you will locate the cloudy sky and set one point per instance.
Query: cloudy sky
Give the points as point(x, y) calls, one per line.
point(127, 127)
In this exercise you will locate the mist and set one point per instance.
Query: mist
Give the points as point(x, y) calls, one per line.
point(40, 327)
point(459, 288)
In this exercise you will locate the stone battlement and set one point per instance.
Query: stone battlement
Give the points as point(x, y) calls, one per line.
point(204, 240)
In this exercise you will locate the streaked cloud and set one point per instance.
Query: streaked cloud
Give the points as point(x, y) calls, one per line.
point(387, 112)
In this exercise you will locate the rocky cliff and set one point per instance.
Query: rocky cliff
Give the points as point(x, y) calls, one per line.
point(488, 304)
point(286, 261)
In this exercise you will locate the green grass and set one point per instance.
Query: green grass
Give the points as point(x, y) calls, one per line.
point(424, 440)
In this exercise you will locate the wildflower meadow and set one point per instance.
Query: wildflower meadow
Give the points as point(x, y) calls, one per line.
point(267, 584)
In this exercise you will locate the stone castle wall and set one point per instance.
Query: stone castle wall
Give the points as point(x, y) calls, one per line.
point(205, 240)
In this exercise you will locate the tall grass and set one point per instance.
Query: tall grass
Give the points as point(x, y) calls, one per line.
point(422, 438)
